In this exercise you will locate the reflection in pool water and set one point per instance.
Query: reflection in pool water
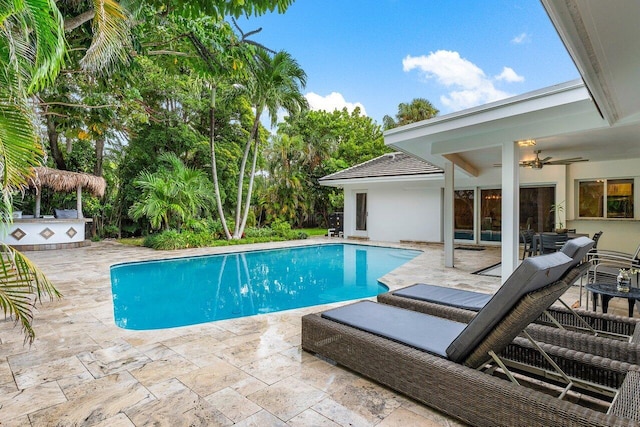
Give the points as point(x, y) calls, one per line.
point(187, 291)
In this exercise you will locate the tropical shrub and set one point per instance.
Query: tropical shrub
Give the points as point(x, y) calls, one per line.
point(172, 195)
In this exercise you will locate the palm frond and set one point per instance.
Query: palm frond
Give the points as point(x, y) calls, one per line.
point(47, 26)
point(111, 41)
point(22, 285)
point(19, 147)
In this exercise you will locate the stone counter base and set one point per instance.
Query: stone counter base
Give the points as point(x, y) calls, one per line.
point(52, 246)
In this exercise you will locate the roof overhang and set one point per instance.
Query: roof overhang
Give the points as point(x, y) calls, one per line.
point(340, 183)
point(557, 110)
point(602, 38)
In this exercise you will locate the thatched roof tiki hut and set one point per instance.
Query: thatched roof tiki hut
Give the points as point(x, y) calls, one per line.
point(65, 181)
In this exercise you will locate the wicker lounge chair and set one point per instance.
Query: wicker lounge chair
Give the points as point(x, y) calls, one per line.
point(580, 320)
point(435, 360)
point(461, 305)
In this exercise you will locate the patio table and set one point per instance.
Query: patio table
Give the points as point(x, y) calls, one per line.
point(608, 291)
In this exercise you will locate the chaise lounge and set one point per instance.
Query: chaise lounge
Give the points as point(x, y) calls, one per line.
point(461, 306)
point(436, 361)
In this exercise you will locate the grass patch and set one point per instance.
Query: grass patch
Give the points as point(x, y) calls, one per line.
point(131, 241)
point(314, 231)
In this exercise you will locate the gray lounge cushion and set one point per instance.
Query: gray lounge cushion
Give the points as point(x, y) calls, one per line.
point(534, 273)
point(422, 331)
point(577, 248)
point(66, 213)
point(467, 300)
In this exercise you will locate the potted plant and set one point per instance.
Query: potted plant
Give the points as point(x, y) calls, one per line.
point(557, 209)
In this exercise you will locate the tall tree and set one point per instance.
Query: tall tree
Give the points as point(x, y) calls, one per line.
point(417, 110)
point(276, 83)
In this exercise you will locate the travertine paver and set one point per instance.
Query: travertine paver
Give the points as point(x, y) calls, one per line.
point(84, 370)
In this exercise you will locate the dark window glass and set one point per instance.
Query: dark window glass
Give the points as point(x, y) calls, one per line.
point(535, 208)
point(591, 199)
point(463, 214)
point(620, 198)
point(491, 215)
point(361, 211)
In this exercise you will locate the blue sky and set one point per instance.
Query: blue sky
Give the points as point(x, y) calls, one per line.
point(456, 54)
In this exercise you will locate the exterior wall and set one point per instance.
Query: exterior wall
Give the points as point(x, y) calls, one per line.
point(412, 210)
point(618, 234)
point(396, 211)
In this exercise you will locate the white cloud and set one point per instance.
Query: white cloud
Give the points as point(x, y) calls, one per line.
point(510, 76)
point(521, 38)
point(331, 102)
point(468, 84)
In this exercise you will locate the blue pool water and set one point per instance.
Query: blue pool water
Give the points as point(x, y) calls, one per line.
point(187, 291)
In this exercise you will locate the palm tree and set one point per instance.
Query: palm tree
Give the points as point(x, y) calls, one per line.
point(276, 83)
point(172, 195)
point(31, 53)
point(286, 196)
point(417, 110)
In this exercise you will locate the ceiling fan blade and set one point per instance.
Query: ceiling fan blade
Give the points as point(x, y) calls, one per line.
point(546, 159)
point(567, 161)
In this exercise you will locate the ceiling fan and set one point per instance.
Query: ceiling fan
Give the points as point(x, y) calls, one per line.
point(538, 163)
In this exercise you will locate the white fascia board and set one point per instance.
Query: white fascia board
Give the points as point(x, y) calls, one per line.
point(383, 179)
point(568, 18)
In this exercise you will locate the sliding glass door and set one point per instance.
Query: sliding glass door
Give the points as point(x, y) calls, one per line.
point(463, 212)
point(535, 211)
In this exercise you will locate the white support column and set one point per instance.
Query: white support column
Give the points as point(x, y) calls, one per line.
point(448, 234)
point(510, 208)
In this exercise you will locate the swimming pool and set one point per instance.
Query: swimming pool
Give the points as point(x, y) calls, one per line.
point(187, 291)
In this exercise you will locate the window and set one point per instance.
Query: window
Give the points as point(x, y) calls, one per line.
point(591, 199)
point(463, 214)
point(614, 195)
point(620, 198)
point(361, 211)
point(535, 211)
point(491, 215)
point(535, 208)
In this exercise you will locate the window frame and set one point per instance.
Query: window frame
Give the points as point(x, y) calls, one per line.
point(605, 182)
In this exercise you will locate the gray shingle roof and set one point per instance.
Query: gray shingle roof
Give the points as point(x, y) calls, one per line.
point(392, 164)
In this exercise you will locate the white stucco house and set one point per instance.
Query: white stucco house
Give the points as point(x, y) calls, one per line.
point(392, 198)
point(595, 119)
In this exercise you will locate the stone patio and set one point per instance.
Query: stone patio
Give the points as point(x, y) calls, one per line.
point(82, 370)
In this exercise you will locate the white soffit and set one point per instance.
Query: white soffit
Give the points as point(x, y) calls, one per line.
point(603, 38)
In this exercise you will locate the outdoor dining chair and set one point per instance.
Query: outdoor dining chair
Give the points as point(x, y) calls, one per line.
point(551, 242)
point(526, 237)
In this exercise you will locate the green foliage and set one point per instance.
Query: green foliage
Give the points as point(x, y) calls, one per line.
point(31, 53)
point(251, 232)
point(308, 147)
point(172, 195)
point(417, 110)
point(173, 239)
point(167, 240)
